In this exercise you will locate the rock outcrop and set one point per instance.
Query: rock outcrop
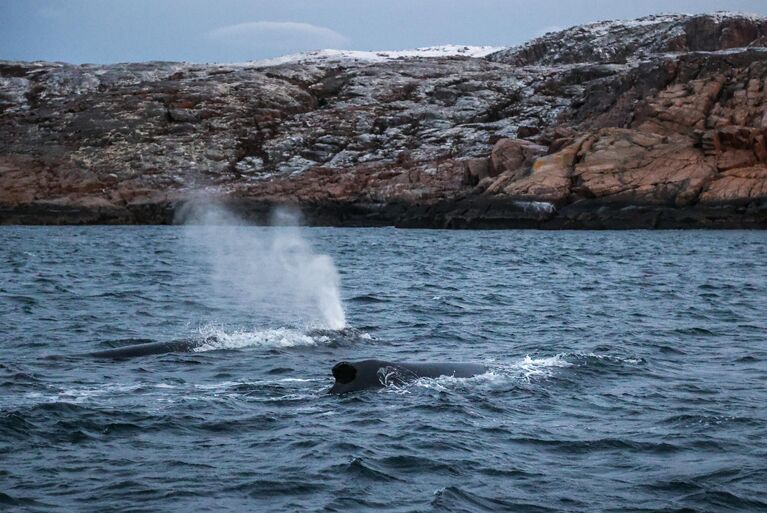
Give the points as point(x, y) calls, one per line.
point(659, 122)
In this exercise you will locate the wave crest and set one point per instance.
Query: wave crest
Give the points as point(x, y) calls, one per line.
point(215, 338)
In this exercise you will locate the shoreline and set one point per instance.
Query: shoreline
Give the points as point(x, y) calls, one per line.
point(469, 213)
point(652, 131)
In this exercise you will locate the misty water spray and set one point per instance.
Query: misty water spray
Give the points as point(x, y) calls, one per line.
point(271, 271)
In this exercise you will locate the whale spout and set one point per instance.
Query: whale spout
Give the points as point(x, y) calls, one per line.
point(367, 374)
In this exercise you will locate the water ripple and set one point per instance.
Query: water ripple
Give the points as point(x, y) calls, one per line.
point(627, 372)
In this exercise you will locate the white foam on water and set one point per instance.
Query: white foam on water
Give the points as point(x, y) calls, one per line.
point(530, 368)
point(80, 394)
point(217, 338)
point(214, 336)
point(541, 207)
point(627, 360)
point(113, 394)
point(526, 370)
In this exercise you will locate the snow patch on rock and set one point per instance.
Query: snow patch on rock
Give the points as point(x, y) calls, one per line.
point(358, 56)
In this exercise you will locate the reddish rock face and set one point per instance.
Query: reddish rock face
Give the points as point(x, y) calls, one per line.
point(684, 144)
point(737, 185)
point(548, 179)
point(513, 156)
point(657, 122)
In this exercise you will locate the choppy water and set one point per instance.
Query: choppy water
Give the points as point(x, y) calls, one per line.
point(629, 374)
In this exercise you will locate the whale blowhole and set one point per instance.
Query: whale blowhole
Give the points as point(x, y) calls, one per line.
point(344, 373)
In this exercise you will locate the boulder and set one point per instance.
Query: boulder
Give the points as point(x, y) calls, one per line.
point(514, 156)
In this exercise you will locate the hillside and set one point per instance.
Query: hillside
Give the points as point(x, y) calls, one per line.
point(656, 122)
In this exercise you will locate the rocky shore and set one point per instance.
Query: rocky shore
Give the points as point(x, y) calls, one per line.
point(659, 122)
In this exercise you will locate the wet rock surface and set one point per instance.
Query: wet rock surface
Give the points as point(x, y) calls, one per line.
point(657, 122)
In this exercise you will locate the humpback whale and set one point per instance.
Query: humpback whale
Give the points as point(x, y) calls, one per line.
point(173, 346)
point(187, 345)
point(365, 374)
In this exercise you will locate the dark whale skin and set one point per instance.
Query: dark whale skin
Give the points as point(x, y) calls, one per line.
point(137, 350)
point(187, 345)
point(370, 374)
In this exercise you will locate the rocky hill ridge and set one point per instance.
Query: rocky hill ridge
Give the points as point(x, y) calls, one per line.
point(620, 41)
point(659, 122)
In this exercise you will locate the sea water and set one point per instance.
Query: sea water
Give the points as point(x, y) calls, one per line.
point(628, 370)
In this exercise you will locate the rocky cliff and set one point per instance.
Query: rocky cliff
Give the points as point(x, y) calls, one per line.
point(656, 122)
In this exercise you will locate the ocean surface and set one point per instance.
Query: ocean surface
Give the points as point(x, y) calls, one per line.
point(628, 370)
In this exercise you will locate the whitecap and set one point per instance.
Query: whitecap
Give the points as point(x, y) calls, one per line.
point(216, 338)
point(526, 370)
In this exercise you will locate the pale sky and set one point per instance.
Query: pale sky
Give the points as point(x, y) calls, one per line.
point(104, 31)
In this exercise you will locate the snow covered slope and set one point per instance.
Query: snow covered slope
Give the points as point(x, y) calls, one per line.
point(624, 40)
point(357, 56)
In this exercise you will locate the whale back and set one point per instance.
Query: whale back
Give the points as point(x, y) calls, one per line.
point(132, 351)
point(368, 374)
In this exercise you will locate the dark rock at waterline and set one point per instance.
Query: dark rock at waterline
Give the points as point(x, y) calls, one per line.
point(656, 123)
point(469, 213)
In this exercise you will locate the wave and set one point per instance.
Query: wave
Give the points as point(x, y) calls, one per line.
point(215, 338)
point(75, 395)
point(153, 396)
point(522, 371)
point(369, 298)
point(530, 368)
point(706, 422)
point(17, 501)
point(363, 469)
point(124, 342)
point(454, 498)
point(525, 371)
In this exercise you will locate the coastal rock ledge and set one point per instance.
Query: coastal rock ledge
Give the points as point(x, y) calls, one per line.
point(659, 122)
